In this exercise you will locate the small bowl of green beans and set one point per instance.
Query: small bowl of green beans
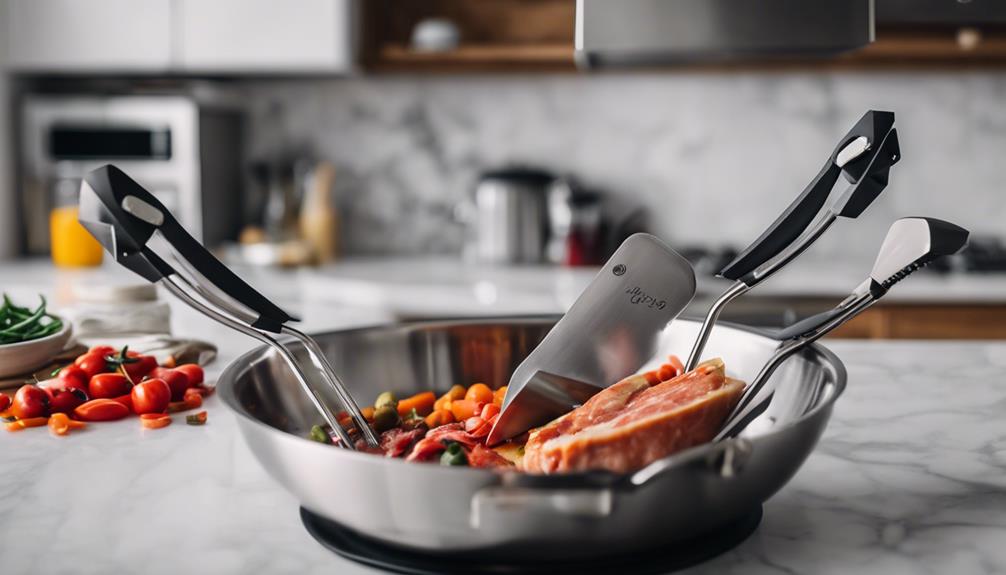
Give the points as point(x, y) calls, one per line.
point(29, 336)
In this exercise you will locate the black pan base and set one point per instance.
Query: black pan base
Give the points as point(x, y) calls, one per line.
point(351, 545)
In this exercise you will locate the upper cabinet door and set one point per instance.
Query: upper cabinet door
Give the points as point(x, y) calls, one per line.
point(88, 35)
point(265, 35)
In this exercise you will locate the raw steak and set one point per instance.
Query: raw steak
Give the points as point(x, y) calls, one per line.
point(636, 421)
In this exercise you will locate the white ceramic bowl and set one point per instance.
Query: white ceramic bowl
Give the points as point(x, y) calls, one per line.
point(27, 356)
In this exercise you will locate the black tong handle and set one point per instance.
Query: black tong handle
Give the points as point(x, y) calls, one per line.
point(112, 186)
point(867, 174)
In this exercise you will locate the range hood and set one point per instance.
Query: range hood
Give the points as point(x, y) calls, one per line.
point(648, 32)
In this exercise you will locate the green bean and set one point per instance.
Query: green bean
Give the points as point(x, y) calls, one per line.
point(19, 324)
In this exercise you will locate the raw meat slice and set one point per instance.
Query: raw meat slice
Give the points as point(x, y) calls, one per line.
point(635, 422)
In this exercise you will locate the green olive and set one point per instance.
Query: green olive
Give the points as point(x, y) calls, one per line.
point(386, 398)
point(385, 418)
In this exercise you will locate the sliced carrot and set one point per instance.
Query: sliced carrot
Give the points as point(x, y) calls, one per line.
point(20, 424)
point(368, 413)
point(421, 402)
point(479, 392)
point(61, 424)
point(456, 392)
point(465, 408)
point(499, 395)
point(441, 402)
point(439, 417)
point(675, 361)
point(155, 420)
point(170, 362)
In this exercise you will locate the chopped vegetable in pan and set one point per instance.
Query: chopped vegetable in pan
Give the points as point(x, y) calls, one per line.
point(451, 430)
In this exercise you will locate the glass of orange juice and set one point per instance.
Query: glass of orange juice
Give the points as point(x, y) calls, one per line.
point(71, 244)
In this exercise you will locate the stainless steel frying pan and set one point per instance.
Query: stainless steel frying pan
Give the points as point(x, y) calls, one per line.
point(441, 510)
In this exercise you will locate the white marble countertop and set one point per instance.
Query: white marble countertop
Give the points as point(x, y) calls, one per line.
point(910, 477)
point(427, 287)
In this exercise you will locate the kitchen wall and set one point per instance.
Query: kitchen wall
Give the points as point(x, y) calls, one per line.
point(715, 156)
point(8, 237)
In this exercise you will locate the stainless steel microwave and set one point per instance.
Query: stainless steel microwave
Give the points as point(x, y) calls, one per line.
point(187, 153)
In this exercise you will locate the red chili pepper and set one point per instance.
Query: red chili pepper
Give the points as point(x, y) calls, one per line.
point(101, 410)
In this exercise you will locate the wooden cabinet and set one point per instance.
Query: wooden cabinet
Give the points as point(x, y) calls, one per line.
point(187, 36)
point(927, 322)
point(538, 35)
point(75, 35)
point(265, 35)
point(496, 35)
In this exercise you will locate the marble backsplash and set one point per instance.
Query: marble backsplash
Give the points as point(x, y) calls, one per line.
point(714, 157)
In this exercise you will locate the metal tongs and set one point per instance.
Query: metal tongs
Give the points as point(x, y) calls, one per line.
point(124, 218)
point(864, 156)
point(911, 244)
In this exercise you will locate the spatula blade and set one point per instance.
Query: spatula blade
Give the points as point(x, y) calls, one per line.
point(607, 334)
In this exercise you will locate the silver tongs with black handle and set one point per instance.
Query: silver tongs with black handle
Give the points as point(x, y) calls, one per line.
point(124, 217)
point(911, 244)
point(863, 157)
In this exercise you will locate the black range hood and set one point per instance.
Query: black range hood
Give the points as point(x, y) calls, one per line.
point(653, 32)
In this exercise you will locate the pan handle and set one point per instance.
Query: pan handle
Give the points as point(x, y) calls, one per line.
point(513, 506)
point(725, 459)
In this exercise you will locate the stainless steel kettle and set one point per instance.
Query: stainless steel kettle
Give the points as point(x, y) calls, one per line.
point(509, 220)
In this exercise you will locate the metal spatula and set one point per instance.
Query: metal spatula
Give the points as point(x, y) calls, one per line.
point(608, 333)
point(911, 244)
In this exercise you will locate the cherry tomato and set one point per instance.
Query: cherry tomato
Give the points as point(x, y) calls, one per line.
point(92, 364)
point(31, 401)
point(151, 396)
point(66, 400)
point(101, 410)
point(141, 368)
point(73, 376)
point(176, 380)
point(193, 372)
point(4, 401)
point(108, 385)
point(103, 350)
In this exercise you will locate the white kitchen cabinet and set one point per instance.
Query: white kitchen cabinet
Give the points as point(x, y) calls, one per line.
point(88, 35)
point(265, 35)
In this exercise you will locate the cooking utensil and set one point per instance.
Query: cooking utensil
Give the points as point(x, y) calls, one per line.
point(441, 510)
point(864, 156)
point(124, 217)
point(911, 243)
point(608, 332)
